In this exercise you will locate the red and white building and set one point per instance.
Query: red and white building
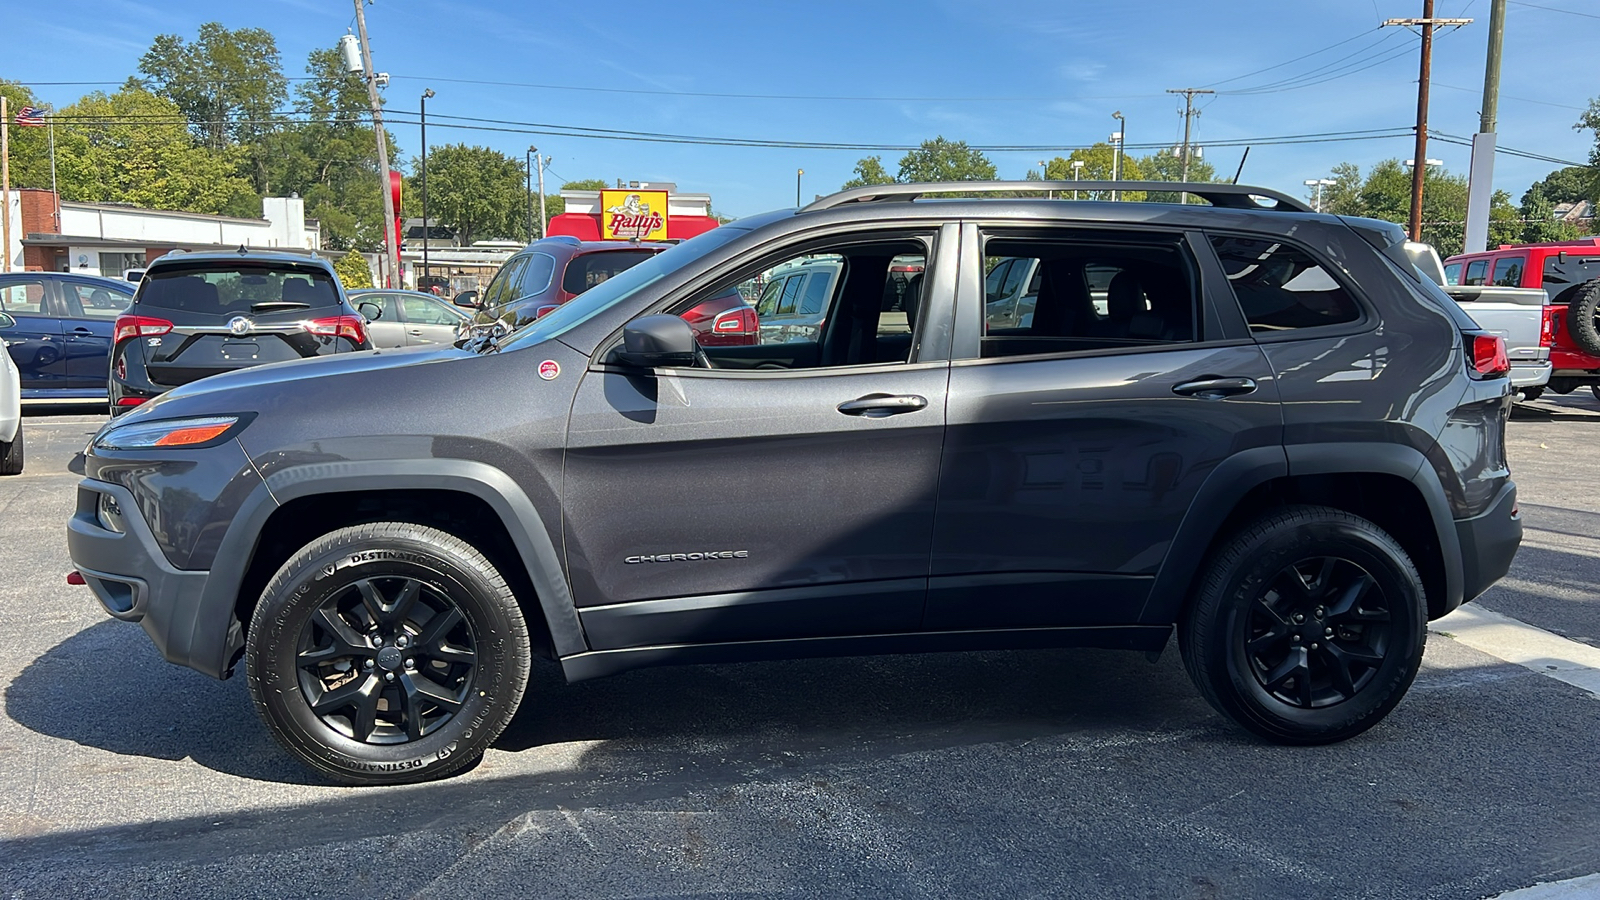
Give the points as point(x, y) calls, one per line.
point(646, 210)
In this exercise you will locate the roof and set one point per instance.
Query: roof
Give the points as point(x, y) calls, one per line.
point(243, 254)
point(567, 242)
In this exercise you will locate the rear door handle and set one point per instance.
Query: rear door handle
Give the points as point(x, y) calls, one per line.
point(876, 406)
point(415, 332)
point(1215, 388)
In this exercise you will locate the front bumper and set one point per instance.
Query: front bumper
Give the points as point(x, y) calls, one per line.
point(1488, 543)
point(132, 579)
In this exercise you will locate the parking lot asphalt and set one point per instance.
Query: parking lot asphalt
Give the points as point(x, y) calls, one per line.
point(1043, 773)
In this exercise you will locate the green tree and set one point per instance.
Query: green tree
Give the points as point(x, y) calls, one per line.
point(1385, 193)
point(1539, 222)
point(331, 159)
point(944, 160)
point(30, 147)
point(868, 171)
point(229, 83)
point(1097, 166)
point(478, 192)
point(132, 147)
point(1165, 165)
point(354, 273)
point(1566, 185)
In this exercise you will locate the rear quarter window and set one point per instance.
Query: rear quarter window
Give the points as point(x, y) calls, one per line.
point(1281, 287)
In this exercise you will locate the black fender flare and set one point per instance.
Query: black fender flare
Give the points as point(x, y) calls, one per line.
point(1242, 472)
point(517, 513)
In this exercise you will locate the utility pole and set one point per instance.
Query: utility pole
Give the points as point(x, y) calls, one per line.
point(797, 174)
point(425, 226)
point(543, 225)
point(1117, 140)
point(391, 240)
point(1480, 186)
point(528, 165)
point(1189, 112)
point(1419, 172)
point(5, 180)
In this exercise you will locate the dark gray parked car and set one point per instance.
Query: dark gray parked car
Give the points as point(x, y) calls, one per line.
point(1247, 423)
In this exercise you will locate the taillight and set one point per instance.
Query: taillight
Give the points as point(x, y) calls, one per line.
point(1489, 355)
point(131, 401)
point(138, 326)
point(340, 326)
point(735, 321)
point(1547, 327)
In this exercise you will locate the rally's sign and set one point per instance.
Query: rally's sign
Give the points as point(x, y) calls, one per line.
point(631, 214)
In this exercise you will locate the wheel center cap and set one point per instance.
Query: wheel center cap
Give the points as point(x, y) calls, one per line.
point(390, 658)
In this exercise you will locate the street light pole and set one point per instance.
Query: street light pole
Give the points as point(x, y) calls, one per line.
point(1318, 184)
point(797, 174)
point(425, 95)
point(544, 227)
point(1077, 167)
point(1117, 140)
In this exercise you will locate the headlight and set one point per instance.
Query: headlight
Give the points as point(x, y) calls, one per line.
point(194, 432)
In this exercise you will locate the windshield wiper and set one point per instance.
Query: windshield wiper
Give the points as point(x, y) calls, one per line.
point(483, 338)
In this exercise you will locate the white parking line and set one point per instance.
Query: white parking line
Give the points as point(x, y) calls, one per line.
point(1583, 888)
point(1518, 642)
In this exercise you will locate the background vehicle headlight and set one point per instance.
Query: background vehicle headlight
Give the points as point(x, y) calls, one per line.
point(167, 433)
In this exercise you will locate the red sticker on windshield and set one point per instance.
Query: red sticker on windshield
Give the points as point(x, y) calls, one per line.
point(549, 369)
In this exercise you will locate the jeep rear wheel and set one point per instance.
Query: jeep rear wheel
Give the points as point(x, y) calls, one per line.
point(387, 653)
point(1581, 317)
point(1309, 627)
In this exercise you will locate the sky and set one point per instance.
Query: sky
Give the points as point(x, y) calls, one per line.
point(994, 74)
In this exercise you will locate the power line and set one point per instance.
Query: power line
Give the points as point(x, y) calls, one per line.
point(1570, 12)
point(1295, 60)
point(1367, 57)
point(1456, 87)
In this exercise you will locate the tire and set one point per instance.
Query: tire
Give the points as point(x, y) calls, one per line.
point(1595, 389)
point(1581, 312)
point(1277, 676)
point(361, 670)
point(11, 454)
point(1531, 394)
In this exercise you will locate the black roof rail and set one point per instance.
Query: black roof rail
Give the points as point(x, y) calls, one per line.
point(1231, 196)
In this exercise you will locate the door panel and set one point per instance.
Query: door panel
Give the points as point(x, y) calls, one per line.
point(1065, 479)
point(757, 487)
point(428, 321)
point(389, 329)
point(92, 311)
point(35, 342)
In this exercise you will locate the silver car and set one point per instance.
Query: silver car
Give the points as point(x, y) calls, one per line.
point(407, 318)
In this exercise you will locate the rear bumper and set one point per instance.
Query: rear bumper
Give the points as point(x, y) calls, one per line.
point(1488, 543)
point(132, 579)
point(1527, 375)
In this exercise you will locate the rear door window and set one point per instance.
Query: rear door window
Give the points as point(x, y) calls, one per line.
point(93, 301)
point(1508, 271)
point(241, 289)
point(423, 311)
point(1452, 273)
point(791, 294)
point(816, 293)
point(1281, 287)
point(1477, 271)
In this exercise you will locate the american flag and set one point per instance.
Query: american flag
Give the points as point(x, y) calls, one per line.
point(30, 117)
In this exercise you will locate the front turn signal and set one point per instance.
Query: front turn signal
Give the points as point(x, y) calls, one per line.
point(167, 433)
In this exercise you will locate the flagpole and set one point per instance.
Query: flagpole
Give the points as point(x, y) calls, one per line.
point(54, 191)
point(5, 177)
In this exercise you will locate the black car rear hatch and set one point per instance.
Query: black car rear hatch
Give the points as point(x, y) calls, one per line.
point(228, 316)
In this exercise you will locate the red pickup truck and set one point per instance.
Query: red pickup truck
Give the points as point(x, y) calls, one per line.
point(1569, 271)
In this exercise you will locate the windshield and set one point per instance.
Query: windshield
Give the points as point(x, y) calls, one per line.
point(614, 290)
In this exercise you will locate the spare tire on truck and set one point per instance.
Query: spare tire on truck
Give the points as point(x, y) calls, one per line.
point(1581, 313)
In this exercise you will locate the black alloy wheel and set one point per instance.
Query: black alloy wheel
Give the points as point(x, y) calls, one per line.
point(387, 660)
point(387, 653)
point(1308, 627)
point(1318, 633)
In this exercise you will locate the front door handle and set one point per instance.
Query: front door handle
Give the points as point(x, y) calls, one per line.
point(876, 406)
point(415, 332)
point(1215, 388)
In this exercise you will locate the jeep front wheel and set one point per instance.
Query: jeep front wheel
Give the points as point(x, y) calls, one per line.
point(387, 653)
point(1309, 626)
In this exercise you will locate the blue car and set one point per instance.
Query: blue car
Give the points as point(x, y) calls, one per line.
point(60, 333)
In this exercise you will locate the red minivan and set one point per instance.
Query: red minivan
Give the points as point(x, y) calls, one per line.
point(1569, 271)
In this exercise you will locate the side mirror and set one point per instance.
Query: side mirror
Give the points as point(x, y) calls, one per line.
point(653, 341)
point(6, 321)
point(371, 310)
point(467, 299)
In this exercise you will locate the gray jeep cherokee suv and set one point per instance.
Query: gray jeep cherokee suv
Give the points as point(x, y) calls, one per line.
point(1247, 423)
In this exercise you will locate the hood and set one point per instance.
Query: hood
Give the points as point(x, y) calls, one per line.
point(297, 370)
